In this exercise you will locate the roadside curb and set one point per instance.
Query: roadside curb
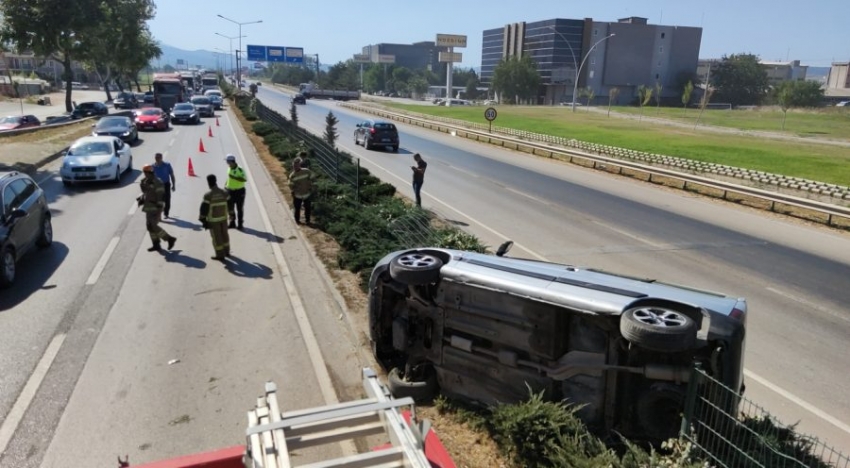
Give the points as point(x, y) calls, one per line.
point(30, 169)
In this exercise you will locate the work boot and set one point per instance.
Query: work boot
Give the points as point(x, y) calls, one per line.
point(232, 225)
point(219, 258)
point(155, 247)
point(241, 227)
point(171, 242)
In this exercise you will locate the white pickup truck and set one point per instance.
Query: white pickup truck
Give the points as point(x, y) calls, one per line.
point(312, 91)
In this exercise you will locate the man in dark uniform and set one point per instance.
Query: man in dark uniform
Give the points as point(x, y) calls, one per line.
point(165, 173)
point(418, 177)
point(214, 217)
point(235, 187)
point(152, 204)
point(301, 184)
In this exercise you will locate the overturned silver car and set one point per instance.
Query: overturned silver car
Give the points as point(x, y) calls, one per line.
point(485, 328)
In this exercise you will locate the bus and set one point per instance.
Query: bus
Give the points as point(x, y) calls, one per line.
point(168, 90)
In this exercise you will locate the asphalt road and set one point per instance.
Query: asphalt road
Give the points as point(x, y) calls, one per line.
point(794, 276)
point(87, 334)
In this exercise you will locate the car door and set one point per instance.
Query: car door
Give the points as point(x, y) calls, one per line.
point(121, 153)
point(23, 230)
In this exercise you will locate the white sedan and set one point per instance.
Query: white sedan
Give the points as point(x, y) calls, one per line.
point(98, 158)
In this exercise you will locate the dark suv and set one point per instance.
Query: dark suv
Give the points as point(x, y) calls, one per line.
point(88, 109)
point(125, 101)
point(488, 328)
point(24, 222)
point(373, 133)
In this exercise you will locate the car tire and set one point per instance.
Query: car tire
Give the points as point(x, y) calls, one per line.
point(117, 179)
point(395, 148)
point(658, 329)
point(7, 268)
point(66, 183)
point(45, 237)
point(415, 268)
point(419, 390)
point(366, 143)
point(130, 165)
point(356, 141)
point(659, 411)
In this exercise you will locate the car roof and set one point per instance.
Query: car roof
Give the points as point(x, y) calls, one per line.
point(95, 139)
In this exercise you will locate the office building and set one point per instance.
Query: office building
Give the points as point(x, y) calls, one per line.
point(839, 76)
point(417, 56)
point(624, 54)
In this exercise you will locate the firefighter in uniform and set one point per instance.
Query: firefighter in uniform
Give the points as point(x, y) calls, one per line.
point(301, 184)
point(235, 187)
point(214, 217)
point(151, 201)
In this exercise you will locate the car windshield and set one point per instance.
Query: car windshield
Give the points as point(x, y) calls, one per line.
point(200, 100)
point(168, 88)
point(384, 126)
point(151, 112)
point(184, 107)
point(213, 93)
point(125, 96)
point(112, 122)
point(91, 148)
point(10, 120)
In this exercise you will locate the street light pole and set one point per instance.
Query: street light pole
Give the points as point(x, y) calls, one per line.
point(230, 53)
point(575, 63)
point(578, 73)
point(238, 66)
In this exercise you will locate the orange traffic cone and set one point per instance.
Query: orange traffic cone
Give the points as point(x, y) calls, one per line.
point(201, 146)
point(209, 133)
point(216, 122)
point(191, 169)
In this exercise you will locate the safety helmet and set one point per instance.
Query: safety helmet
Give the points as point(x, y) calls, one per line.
point(230, 158)
point(147, 168)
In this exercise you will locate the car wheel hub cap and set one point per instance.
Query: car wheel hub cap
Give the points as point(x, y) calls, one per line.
point(48, 231)
point(660, 317)
point(418, 261)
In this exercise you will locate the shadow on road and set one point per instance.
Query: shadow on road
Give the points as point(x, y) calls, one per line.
point(179, 223)
point(457, 223)
point(240, 267)
point(267, 236)
point(33, 272)
point(176, 256)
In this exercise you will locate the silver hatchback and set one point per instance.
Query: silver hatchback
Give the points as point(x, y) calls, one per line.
point(487, 327)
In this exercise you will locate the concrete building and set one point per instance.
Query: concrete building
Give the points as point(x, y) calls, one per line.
point(637, 54)
point(48, 68)
point(777, 72)
point(417, 56)
point(839, 76)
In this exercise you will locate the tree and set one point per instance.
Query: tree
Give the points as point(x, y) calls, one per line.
point(293, 113)
point(612, 96)
point(687, 91)
point(373, 78)
point(791, 94)
point(53, 27)
point(330, 129)
point(644, 96)
point(516, 78)
point(740, 80)
point(418, 86)
point(471, 91)
point(589, 93)
point(657, 94)
point(706, 97)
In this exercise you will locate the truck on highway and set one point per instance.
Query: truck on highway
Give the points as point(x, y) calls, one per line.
point(209, 81)
point(168, 90)
point(312, 91)
point(189, 81)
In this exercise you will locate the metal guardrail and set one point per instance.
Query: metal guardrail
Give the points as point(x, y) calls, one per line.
point(829, 214)
point(734, 432)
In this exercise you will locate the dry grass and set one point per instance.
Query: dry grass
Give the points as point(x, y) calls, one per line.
point(469, 448)
point(26, 151)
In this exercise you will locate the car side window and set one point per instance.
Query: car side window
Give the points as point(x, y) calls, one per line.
point(115, 144)
point(8, 200)
point(25, 188)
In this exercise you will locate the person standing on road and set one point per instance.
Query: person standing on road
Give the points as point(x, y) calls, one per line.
point(301, 184)
point(165, 173)
point(418, 177)
point(214, 217)
point(152, 204)
point(235, 187)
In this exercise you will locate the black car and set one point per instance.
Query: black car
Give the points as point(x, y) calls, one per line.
point(125, 101)
point(185, 113)
point(88, 109)
point(149, 97)
point(299, 99)
point(204, 106)
point(120, 127)
point(24, 222)
point(373, 133)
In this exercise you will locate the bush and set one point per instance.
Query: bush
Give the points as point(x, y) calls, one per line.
point(263, 128)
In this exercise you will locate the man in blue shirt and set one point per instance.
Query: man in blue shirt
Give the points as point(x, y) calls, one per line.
point(164, 172)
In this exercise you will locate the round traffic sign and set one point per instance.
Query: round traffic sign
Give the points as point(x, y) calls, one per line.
point(490, 114)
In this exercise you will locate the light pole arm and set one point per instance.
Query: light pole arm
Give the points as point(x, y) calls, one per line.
point(578, 72)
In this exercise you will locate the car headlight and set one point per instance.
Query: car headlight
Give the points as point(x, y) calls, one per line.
point(193, 115)
point(105, 165)
point(172, 114)
point(126, 133)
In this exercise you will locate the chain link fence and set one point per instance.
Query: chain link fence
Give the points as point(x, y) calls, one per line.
point(733, 432)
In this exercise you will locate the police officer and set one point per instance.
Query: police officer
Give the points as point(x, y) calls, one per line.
point(301, 184)
point(152, 204)
point(214, 217)
point(235, 187)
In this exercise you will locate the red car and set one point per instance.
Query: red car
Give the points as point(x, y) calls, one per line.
point(15, 122)
point(151, 118)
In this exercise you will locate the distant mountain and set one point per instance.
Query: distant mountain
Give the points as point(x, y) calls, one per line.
point(817, 72)
point(202, 58)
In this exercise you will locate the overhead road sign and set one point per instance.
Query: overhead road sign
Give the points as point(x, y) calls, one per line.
point(453, 57)
point(294, 55)
point(362, 58)
point(258, 53)
point(386, 59)
point(451, 40)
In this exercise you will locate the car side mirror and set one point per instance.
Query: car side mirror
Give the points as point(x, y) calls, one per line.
point(359, 125)
point(504, 248)
point(17, 214)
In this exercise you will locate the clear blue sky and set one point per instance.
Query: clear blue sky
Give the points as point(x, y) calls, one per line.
point(815, 32)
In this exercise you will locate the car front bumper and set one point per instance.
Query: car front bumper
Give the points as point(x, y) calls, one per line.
point(87, 173)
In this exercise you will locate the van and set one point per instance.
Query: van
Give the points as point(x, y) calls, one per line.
point(489, 328)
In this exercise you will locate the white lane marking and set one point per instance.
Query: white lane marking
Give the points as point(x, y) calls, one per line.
point(325, 382)
point(101, 264)
point(171, 143)
point(10, 425)
point(45, 179)
point(808, 304)
point(133, 208)
point(798, 401)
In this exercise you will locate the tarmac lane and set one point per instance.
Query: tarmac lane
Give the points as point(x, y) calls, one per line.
point(158, 354)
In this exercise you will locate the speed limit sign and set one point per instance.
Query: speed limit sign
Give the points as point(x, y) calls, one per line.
point(490, 114)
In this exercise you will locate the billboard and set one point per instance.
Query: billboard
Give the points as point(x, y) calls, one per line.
point(386, 59)
point(362, 58)
point(453, 57)
point(451, 40)
point(259, 53)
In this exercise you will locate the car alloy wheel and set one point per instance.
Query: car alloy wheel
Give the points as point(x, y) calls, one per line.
point(415, 268)
point(658, 328)
point(45, 238)
point(7, 268)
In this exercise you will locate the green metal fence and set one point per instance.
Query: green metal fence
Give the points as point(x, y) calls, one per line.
point(733, 432)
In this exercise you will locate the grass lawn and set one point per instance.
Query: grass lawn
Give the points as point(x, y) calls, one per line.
point(825, 163)
point(832, 122)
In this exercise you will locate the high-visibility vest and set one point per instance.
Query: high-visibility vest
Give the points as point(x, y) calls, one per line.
point(216, 199)
point(232, 183)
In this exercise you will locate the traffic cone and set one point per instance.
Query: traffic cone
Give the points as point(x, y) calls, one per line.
point(209, 133)
point(216, 122)
point(191, 169)
point(201, 146)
